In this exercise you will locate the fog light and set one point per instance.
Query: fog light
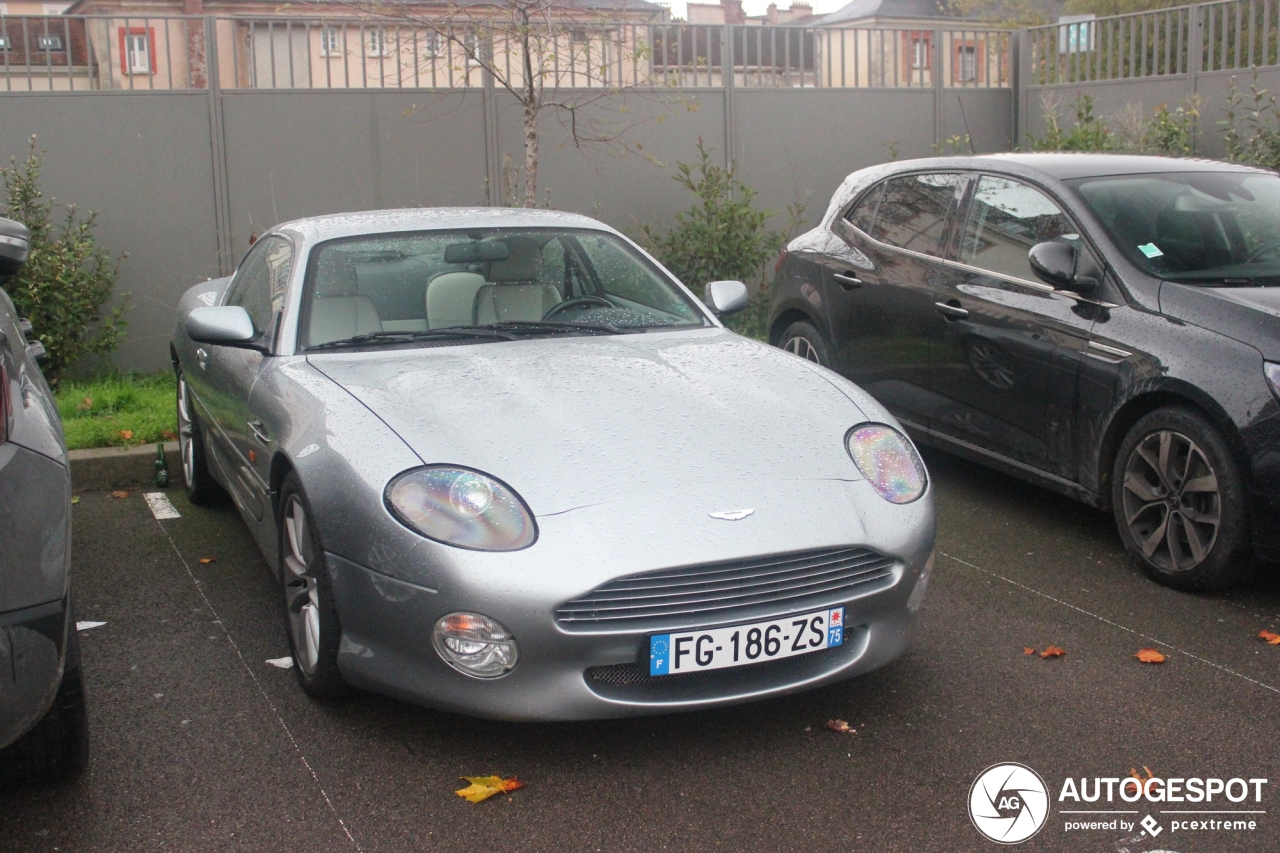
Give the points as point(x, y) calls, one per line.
point(475, 645)
point(922, 584)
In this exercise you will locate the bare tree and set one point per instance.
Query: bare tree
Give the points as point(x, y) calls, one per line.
point(559, 56)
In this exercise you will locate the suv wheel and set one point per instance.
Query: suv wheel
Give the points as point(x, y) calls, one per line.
point(1179, 501)
point(803, 340)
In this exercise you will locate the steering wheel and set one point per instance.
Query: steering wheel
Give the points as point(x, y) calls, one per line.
point(579, 302)
point(1262, 250)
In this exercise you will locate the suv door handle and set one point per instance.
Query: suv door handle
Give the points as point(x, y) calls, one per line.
point(259, 431)
point(847, 281)
point(951, 310)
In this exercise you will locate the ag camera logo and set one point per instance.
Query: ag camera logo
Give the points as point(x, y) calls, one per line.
point(1008, 803)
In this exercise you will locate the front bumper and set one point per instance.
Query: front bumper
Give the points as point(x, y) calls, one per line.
point(33, 644)
point(572, 673)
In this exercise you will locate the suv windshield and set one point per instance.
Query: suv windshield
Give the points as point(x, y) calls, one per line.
point(387, 289)
point(1210, 228)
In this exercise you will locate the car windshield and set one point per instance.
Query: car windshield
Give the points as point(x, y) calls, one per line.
point(1207, 228)
point(447, 287)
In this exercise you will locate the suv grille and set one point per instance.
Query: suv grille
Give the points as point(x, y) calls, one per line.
point(720, 591)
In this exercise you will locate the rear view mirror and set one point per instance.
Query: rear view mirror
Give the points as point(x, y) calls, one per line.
point(726, 297)
point(1056, 264)
point(227, 325)
point(15, 241)
point(478, 252)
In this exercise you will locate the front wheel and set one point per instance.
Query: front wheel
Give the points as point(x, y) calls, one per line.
point(1179, 502)
point(804, 340)
point(200, 486)
point(311, 616)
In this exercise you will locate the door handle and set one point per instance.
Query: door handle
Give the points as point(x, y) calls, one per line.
point(951, 310)
point(202, 357)
point(847, 281)
point(259, 431)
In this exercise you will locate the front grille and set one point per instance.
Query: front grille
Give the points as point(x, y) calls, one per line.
point(719, 592)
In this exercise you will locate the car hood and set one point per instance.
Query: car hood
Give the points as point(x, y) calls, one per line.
point(1250, 315)
point(574, 422)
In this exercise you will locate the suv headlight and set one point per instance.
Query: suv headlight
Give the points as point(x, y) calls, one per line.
point(888, 461)
point(461, 507)
point(1273, 376)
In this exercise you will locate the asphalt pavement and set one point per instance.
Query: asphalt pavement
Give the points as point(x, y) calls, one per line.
point(199, 744)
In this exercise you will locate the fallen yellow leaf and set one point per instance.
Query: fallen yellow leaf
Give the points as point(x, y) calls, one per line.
point(120, 494)
point(208, 559)
point(1150, 656)
point(126, 434)
point(1027, 650)
point(484, 787)
point(1053, 652)
point(76, 499)
point(86, 404)
point(1270, 636)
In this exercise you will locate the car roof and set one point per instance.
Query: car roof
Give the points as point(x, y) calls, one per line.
point(1068, 165)
point(317, 228)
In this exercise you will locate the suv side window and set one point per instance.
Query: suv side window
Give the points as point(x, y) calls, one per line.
point(914, 211)
point(261, 281)
point(1006, 219)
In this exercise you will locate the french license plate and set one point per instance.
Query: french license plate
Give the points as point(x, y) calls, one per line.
point(741, 645)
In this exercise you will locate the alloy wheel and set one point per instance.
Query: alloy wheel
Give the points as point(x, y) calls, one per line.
point(1172, 501)
point(185, 428)
point(301, 589)
point(801, 347)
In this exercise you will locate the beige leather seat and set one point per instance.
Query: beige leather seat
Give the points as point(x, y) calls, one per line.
point(516, 290)
point(338, 311)
point(451, 299)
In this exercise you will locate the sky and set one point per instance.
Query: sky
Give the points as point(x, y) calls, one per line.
point(757, 7)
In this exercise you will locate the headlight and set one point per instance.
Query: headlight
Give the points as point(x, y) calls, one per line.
point(463, 508)
point(888, 461)
point(1273, 376)
point(475, 645)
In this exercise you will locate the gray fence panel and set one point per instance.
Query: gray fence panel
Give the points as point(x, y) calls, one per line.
point(144, 162)
point(797, 146)
point(984, 115)
point(292, 154)
point(1214, 88)
point(1111, 98)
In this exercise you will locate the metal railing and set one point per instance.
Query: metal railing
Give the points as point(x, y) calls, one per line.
point(1223, 36)
point(132, 53)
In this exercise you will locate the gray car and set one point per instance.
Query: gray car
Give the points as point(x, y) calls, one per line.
point(43, 727)
point(503, 463)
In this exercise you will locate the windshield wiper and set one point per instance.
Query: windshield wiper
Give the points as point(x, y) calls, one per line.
point(550, 326)
point(450, 333)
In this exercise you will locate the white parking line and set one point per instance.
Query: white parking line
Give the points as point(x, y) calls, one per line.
point(85, 626)
point(160, 506)
point(1104, 619)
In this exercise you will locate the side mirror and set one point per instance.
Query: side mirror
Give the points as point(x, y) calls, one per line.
point(15, 242)
point(226, 325)
point(1057, 264)
point(726, 297)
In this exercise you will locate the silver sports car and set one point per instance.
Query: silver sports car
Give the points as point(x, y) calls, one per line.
point(505, 464)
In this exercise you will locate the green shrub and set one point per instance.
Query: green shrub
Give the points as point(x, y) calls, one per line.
point(722, 237)
point(1252, 134)
point(1166, 131)
point(1173, 132)
point(1089, 134)
point(67, 279)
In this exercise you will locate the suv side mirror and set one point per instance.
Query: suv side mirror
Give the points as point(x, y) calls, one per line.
point(1063, 266)
point(15, 242)
point(726, 297)
point(225, 325)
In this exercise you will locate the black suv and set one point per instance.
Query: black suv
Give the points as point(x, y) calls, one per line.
point(43, 729)
point(1107, 326)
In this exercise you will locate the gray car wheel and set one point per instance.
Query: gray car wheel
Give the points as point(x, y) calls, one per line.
point(200, 486)
point(311, 617)
point(57, 747)
point(803, 340)
point(1179, 502)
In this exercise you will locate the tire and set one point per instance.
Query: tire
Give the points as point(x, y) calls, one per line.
point(1188, 538)
point(198, 482)
point(57, 748)
point(310, 613)
point(803, 340)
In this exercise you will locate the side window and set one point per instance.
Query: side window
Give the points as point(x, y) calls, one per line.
point(1006, 219)
point(863, 213)
point(913, 213)
point(260, 284)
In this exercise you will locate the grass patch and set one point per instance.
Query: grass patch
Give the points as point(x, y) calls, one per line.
point(118, 411)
